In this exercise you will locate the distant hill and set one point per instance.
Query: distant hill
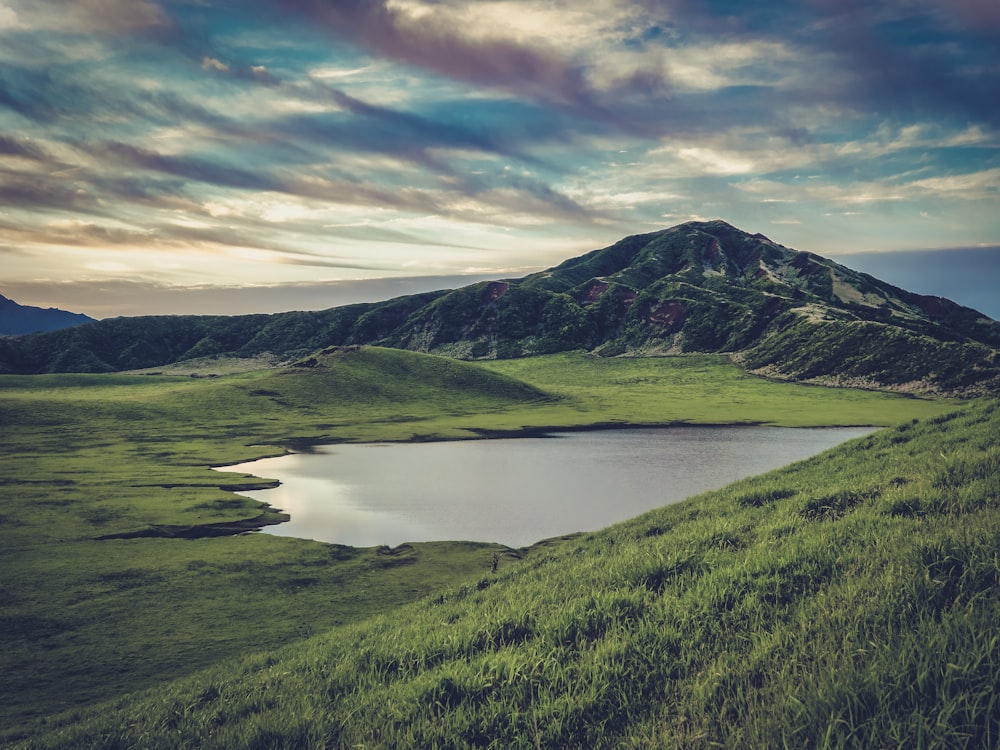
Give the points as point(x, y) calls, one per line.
point(696, 287)
point(17, 320)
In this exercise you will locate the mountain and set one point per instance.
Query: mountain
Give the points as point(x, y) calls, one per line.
point(16, 320)
point(695, 287)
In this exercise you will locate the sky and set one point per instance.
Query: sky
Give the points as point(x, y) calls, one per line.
point(215, 156)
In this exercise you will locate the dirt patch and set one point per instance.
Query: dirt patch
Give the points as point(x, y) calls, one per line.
point(200, 531)
point(494, 291)
point(594, 292)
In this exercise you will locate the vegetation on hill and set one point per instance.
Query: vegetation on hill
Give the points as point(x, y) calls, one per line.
point(697, 287)
point(123, 566)
point(849, 600)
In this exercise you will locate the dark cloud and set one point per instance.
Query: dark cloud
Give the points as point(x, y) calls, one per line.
point(408, 128)
point(42, 193)
point(431, 43)
point(21, 147)
point(905, 66)
point(119, 16)
point(114, 17)
point(188, 167)
point(903, 59)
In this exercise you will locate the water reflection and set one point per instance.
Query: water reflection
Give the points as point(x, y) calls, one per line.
point(516, 491)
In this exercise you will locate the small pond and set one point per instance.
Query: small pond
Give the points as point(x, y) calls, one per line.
point(516, 491)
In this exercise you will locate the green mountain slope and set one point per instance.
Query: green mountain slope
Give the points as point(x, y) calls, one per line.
point(696, 287)
point(847, 601)
point(708, 287)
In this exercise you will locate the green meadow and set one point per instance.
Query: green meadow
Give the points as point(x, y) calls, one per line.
point(122, 571)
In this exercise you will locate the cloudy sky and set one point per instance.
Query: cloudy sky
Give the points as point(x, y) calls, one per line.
point(261, 155)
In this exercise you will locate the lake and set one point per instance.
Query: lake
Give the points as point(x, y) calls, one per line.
point(516, 491)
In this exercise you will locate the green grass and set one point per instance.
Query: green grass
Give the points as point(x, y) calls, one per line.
point(90, 456)
point(699, 389)
point(86, 619)
point(847, 601)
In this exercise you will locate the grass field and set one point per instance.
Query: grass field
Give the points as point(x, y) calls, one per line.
point(699, 389)
point(86, 618)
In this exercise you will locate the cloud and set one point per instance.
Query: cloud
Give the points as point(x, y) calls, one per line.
point(901, 59)
point(893, 74)
point(429, 40)
point(428, 43)
point(121, 15)
point(8, 18)
point(982, 184)
point(58, 95)
point(91, 16)
point(240, 71)
point(211, 64)
point(21, 147)
point(391, 131)
point(189, 167)
point(24, 191)
point(980, 17)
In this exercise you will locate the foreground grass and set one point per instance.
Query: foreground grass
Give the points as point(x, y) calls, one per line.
point(847, 601)
point(89, 613)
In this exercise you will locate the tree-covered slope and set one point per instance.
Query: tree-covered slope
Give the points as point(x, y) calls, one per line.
point(117, 344)
point(847, 601)
point(696, 287)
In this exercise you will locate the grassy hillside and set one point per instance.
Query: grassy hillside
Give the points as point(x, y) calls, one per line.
point(121, 563)
point(89, 459)
point(699, 287)
point(847, 601)
point(700, 389)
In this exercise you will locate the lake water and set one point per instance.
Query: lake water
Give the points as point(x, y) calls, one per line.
point(516, 491)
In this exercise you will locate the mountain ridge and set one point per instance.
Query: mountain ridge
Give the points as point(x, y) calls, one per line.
point(694, 287)
point(17, 319)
